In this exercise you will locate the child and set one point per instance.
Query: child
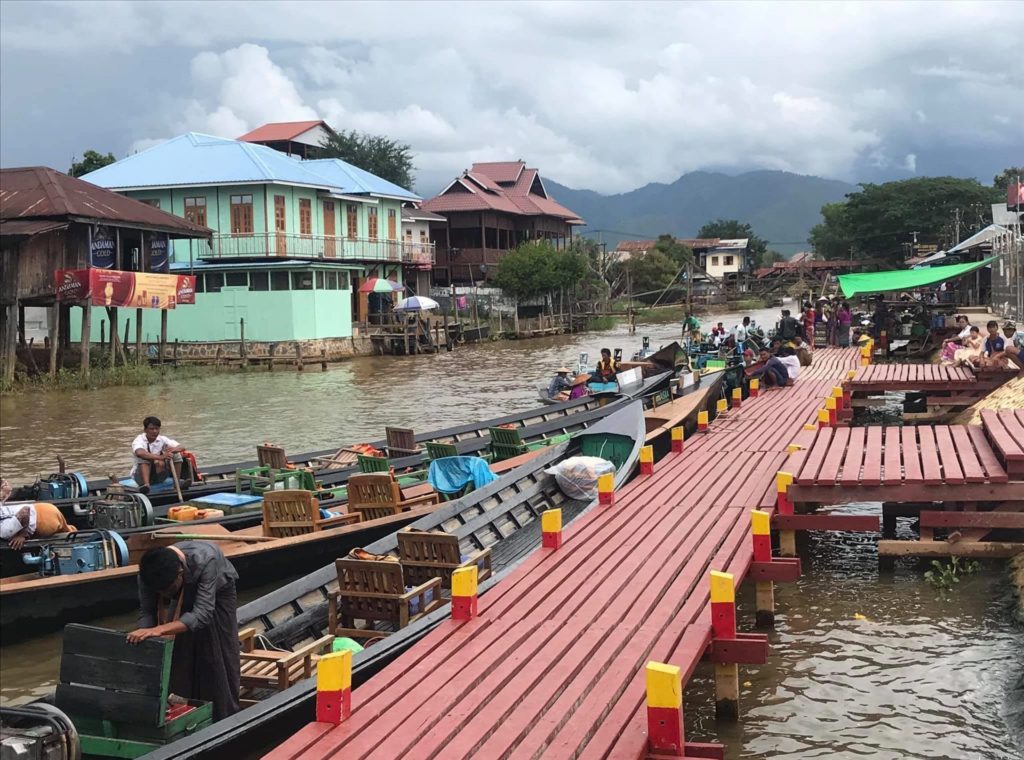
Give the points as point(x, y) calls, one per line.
point(995, 345)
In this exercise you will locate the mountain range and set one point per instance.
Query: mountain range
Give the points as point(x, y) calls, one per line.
point(780, 207)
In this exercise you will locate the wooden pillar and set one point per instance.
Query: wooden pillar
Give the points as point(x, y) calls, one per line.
point(138, 336)
point(163, 333)
point(242, 350)
point(54, 337)
point(723, 622)
point(764, 591)
point(889, 514)
point(84, 340)
point(114, 340)
point(9, 339)
point(21, 325)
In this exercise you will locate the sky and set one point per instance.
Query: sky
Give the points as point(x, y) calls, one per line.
point(603, 96)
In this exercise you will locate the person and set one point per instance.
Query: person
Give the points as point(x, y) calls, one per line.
point(844, 318)
point(579, 387)
point(607, 367)
point(742, 330)
point(152, 452)
point(788, 327)
point(809, 317)
point(1014, 346)
point(789, 359)
point(880, 319)
point(992, 354)
point(691, 327)
point(22, 521)
point(559, 386)
point(187, 591)
point(971, 350)
point(950, 345)
point(802, 351)
point(772, 371)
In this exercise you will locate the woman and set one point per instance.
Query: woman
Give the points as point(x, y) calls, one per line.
point(973, 346)
point(579, 387)
point(844, 319)
point(20, 522)
point(809, 318)
point(950, 346)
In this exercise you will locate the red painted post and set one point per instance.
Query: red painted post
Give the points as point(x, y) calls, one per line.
point(702, 421)
point(464, 593)
point(606, 489)
point(678, 434)
point(830, 407)
point(737, 397)
point(647, 460)
point(755, 387)
point(334, 687)
point(760, 532)
point(664, 708)
point(783, 480)
point(551, 528)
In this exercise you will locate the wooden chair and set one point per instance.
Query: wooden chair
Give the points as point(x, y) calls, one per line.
point(272, 456)
point(506, 443)
point(296, 513)
point(259, 480)
point(437, 450)
point(373, 464)
point(401, 442)
point(274, 669)
point(374, 591)
point(374, 495)
point(339, 460)
point(436, 555)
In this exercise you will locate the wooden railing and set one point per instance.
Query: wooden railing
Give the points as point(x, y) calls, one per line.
point(291, 245)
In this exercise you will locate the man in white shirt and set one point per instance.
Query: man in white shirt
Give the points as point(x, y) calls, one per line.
point(741, 333)
point(152, 452)
point(791, 361)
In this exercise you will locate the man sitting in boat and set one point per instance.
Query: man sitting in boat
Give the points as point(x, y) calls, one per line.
point(188, 591)
point(152, 453)
point(559, 387)
point(607, 367)
point(20, 522)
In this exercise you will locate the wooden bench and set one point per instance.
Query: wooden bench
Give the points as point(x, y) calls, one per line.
point(277, 669)
point(375, 592)
point(116, 693)
point(374, 495)
point(1005, 429)
point(437, 555)
point(437, 450)
point(401, 442)
point(296, 513)
point(373, 464)
point(506, 443)
point(269, 455)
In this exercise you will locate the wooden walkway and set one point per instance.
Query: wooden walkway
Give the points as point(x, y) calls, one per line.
point(912, 377)
point(553, 666)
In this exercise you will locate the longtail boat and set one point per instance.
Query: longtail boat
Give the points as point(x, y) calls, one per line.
point(503, 518)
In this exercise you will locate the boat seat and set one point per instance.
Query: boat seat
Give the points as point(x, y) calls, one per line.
point(401, 442)
point(296, 513)
point(269, 455)
point(373, 464)
point(378, 494)
point(425, 555)
point(375, 591)
point(506, 443)
point(438, 450)
point(276, 669)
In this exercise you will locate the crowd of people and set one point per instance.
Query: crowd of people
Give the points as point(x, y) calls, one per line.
point(991, 351)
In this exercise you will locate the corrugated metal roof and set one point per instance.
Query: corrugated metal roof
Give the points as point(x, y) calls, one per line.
point(198, 159)
point(38, 192)
point(22, 228)
point(281, 130)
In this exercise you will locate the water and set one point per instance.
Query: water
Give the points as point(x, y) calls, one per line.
point(921, 677)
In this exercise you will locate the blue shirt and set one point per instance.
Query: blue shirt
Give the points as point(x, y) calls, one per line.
point(993, 345)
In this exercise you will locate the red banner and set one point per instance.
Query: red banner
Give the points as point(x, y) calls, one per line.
point(111, 287)
point(1015, 195)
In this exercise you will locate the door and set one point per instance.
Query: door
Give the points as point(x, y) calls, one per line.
point(235, 302)
point(280, 225)
point(329, 230)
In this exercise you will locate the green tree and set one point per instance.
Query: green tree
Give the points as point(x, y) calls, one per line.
point(388, 159)
point(831, 238)
point(651, 272)
point(1008, 176)
point(679, 253)
point(91, 161)
point(732, 229)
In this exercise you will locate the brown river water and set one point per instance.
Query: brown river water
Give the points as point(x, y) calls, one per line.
point(920, 676)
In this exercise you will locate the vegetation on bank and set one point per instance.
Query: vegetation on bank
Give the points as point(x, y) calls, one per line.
point(106, 377)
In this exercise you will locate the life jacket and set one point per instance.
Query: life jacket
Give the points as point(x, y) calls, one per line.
point(611, 366)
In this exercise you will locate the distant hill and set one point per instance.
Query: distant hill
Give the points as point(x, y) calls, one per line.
point(781, 207)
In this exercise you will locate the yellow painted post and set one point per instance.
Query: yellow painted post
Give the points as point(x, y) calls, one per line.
point(784, 506)
point(723, 626)
point(832, 408)
point(737, 398)
point(755, 387)
point(647, 460)
point(702, 421)
point(664, 707)
point(823, 418)
point(764, 591)
point(678, 434)
point(722, 406)
point(464, 593)
point(793, 448)
point(810, 426)
point(606, 488)
point(551, 528)
point(334, 687)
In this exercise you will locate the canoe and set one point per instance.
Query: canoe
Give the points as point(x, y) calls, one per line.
point(682, 411)
point(506, 520)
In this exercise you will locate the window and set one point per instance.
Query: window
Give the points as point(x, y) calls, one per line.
point(352, 221)
point(407, 235)
point(154, 202)
point(371, 222)
point(343, 281)
point(214, 282)
point(728, 261)
point(259, 281)
point(714, 261)
point(392, 224)
point(200, 284)
point(332, 280)
point(302, 280)
point(319, 279)
point(280, 223)
point(237, 279)
point(279, 280)
point(423, 237)
point(305, 216)
point(195, 210)
point(241, 214)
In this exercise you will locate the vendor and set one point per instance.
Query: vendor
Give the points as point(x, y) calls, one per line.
point(558, 388)
point(20, 522)
point(607, 367)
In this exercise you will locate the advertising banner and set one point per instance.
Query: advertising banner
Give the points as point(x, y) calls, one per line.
point(157, 244)
point(112, 287)
point(1015, 196)
point(102, 247)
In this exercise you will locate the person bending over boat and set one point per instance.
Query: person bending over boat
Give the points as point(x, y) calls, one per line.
point(607, 367)
point(154, 455)
point(188, 591)
point(558, 389)
point(20, 522)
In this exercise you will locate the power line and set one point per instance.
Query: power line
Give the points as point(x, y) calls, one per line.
point(644, 236)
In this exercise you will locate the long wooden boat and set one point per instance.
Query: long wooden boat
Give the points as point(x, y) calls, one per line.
point(682, 410)
point(505, 519)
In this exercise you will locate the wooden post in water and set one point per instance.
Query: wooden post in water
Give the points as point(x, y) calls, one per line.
point(298, 356)
point(723, 625)
point(163, 333)
point(138, 336)
point(784, 506)
point(124, 343)
point(175, 358)
point(54, 337)
point(270, 356)
point(764, 591)
point(323, 359)
point(84, 339)
point(242, 351)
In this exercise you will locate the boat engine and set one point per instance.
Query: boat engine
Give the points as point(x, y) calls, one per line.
point(38, 731)
point(82, 552)
point(58, 485)
point(120, 509)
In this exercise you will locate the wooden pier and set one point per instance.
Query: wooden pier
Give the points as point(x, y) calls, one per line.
point(583, 650)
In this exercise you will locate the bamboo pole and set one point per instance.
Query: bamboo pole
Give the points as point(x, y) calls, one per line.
point(54, 337)
point(84, 340)
point(138, 336)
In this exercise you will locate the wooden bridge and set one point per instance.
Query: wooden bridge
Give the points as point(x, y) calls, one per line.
point(554, 664)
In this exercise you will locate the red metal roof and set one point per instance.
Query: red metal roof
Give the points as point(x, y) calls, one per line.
point(280, 130)
point(500, 171)
point(38, 192)
point(643, 245)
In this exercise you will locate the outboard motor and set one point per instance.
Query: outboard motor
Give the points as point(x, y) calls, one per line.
point(120, 509)
point(54, 487)
point(38, 730)
point(82, 552)
point(584, 363)
point(617, 354)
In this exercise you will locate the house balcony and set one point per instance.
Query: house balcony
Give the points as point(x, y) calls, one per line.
point(324, 247)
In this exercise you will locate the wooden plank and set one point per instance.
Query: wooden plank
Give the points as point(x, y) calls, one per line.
point(971, 466)
point(91, 641)
point(908, 492)
point(851, 473)
point(994, 471)
point(1005, 437)
point(871, 475)
point(952, 472)
point(857, 523)
point(834, 458)
point(912, 469)
point(990, 549)
point(812, 464)
point(892, 456)
point(119, 706)
point(106, 673)
point(936, 519)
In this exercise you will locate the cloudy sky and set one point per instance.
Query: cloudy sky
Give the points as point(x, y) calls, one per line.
point(605, 96)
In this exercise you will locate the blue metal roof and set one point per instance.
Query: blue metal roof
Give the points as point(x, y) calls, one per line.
point(198, 159)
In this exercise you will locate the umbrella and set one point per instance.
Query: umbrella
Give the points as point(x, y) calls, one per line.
point(380, 285)
point(416, 303)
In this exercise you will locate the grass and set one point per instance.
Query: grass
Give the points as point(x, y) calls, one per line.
point(603, 323)
point(105, 377)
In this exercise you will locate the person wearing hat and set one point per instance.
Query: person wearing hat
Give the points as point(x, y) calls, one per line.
point(559, 387)
point(1013, 345)
point(579, 386)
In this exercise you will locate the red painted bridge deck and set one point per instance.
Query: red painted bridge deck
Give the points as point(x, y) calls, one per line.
point(553, 666)
point(912, 377)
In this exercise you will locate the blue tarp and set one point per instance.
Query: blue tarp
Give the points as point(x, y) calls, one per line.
point(452, 474)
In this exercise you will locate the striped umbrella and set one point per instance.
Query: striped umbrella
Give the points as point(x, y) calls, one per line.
point(416, 303)
point(380, 285)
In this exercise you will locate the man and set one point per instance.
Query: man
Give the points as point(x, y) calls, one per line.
point(607, 368)
point(691, 327)
point(20, 522)
point(741, 333)
point(788, 358)
point(788, 327)
point(559, 387)
point(154, 455)
point(188, 591)
point(772, 371)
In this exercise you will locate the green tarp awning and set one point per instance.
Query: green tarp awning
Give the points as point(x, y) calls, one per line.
point(905, 279)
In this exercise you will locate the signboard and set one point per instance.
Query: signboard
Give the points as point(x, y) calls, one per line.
point(102, 247)
point(112, 287)
point(157, 248)
point(1015, 195)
